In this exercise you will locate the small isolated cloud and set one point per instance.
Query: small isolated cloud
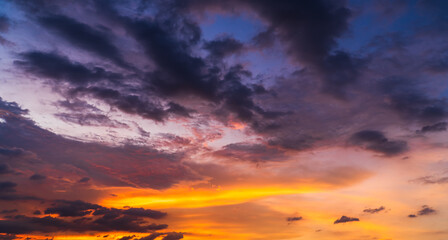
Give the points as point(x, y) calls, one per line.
point(345, 219)
point(38, 177)
point(425, 210)
point(374, 210)
point(294, 219)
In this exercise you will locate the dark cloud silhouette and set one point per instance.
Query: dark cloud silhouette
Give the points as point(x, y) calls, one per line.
point(405, 97)
point(83, 36)
point(374, 210)
point(25, 225)
point(437, 127)
point(167, 236)
point(38, 177)
point(293, 219)
point(345, 219)
point(5, 169)
point(8, 211)
point(377, 142)
point(12, 107)
point(426, 210)
point(7, 187)
point(72, 208)
point(12, 152)
point(60, 68)
point(223, 46)
point(84, 180)
point(79, 216)
point(127, 237)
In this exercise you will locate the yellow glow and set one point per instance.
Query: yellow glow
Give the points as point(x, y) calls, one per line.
point(195, 198)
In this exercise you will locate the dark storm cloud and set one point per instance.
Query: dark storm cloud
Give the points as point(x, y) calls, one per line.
point(38, 177)
point(169, 41)
point(8, 211)
point(345, 219)
point(5, 169)
point(405, 97)
point(84, 217)
point(251, 152)
point(84, 180)
point(72, 208)
point(222, 47)
point(59, 68)
point(83, 36)
point(25, 225)
point(12, 107)
point(12, 152)
point(7, 187)
point(309, 29)
point(135, 104)
point(374, 210)
point(133, 212)
point(437, 127)
point(377, 142)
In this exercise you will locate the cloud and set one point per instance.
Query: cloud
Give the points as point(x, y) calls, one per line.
point(79, 216)
point(377, 142)
point(25, 225)
point(5, 169)
point(345, 219)
point(166, 168)
point(293, 219)
point(425, 210)
point(251, 152)
point(12, 107)
point(59, 68)
point(37, 177)
point(437, 127)
point(7, 187)
point(8, 211)
point(167, 236)
point(84, 180)
point(223, 47)
point(83, 36)
point(374, 210)
point(431, 180)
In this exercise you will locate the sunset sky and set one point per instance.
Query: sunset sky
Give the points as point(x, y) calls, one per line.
point(223, 119)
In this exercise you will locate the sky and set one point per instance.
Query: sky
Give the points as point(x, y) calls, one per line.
point(236, 119)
